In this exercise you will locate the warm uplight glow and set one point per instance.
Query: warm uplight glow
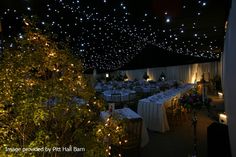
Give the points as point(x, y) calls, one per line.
point(107, 75)
point(127, 79)
point(226, 25)
point(194, 78)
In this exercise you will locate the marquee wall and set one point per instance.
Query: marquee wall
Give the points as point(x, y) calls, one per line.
point(186, 73)
point(229, 76)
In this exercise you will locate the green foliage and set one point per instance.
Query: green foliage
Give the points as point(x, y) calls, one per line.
point(38, 80)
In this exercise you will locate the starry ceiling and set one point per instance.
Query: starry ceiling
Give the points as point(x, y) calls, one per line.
point(109, 35)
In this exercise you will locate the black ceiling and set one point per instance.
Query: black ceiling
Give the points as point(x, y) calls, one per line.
point(151, 57)
point(202, 23)
point(214, 15)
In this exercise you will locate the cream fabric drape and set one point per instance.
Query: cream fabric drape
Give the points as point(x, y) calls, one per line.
point(229, 76)
point(186, 73)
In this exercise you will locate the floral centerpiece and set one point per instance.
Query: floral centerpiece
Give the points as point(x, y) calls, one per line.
point(193, 101)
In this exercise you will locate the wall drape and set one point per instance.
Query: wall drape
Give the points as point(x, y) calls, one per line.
point(186, 73)
point(229, 76)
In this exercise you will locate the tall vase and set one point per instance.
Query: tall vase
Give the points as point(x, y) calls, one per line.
point(194, 123)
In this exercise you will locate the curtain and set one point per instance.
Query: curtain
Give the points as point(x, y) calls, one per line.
point(186, 73)
point(229, 76)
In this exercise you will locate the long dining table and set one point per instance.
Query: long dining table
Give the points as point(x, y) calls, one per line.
point(153, 108)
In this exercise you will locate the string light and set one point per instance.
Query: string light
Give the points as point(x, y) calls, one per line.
point(167, 20)
point(92, 34)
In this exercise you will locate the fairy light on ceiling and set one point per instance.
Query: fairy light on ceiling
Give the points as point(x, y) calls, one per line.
point(106, 35)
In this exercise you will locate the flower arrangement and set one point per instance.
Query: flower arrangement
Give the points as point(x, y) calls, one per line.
point(194, 100)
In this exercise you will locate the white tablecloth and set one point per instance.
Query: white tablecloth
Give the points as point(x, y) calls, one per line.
point(102, 87)
point(153, 111)
point(124, 94)
point(130, 114)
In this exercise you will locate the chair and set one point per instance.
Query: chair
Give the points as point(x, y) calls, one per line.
point(132, 97)
point(138, 89)
point(132, 101)
point(116, 98)
point(183, 113)
point(133, 128)
point(173, 112)
point(152, 90)
point(176, 113)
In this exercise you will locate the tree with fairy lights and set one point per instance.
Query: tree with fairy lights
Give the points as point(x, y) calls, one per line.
point(39, 83)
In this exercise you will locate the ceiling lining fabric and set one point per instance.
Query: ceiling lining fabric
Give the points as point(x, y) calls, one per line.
point(131, 32)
